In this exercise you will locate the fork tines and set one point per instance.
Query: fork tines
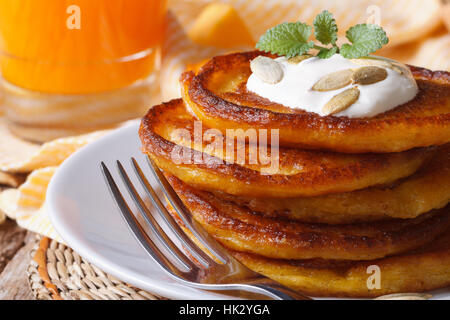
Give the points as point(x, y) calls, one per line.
point(192, 257)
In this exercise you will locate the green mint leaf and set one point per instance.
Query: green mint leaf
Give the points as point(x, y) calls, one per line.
point(327, 53)
point(287, 39)
point(325, 28)
point(365, 39)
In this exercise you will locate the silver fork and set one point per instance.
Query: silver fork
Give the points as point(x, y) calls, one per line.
point(190, 266)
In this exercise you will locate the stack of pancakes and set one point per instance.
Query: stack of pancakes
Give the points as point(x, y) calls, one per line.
point(349, 199)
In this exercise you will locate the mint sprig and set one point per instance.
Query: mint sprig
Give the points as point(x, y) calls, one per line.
point(325, 28)
point(288, 39)
point(326, 53)
point(292, 39)
point(365, 39)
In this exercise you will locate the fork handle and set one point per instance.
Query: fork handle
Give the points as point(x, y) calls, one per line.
point(273, 290)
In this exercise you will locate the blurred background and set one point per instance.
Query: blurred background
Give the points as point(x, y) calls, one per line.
point(71, 70)
point(70, 67)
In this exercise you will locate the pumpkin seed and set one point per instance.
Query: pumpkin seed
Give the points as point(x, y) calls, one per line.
point(369, 75)
point(341, 101)
point(377, 63)
point(266, 69)
point(334, 81)
point(405, 296)
point(298, 59)
point(401, 68)
point(372, 62)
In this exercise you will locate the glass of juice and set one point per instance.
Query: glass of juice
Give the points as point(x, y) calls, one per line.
point(75, 66)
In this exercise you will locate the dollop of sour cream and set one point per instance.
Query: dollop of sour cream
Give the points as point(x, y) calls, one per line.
point(295, 88)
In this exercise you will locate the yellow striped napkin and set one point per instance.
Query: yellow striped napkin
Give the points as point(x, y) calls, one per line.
point(414, 28)
point(25, 204)
point(17, 157)
point(432, 52)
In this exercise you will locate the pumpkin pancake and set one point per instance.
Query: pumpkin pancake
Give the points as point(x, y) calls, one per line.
point(427, 189)
point(168, 136)
point(243, 230)
point(218, 97)
point(427, 268)
point(423, 269)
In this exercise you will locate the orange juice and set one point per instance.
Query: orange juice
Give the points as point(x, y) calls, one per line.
point(78, 46)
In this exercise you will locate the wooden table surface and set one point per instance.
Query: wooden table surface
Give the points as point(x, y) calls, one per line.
point(15, 246)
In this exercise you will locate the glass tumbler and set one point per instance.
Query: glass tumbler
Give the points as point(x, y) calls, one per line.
point(76, 66)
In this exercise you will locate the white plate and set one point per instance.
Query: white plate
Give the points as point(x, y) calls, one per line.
point(84, 214)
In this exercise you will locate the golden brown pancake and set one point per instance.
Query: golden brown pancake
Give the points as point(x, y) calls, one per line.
point(300, 172)
point(427, 189)
point(218, 97)
point(240, 229)
point(425, 269)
